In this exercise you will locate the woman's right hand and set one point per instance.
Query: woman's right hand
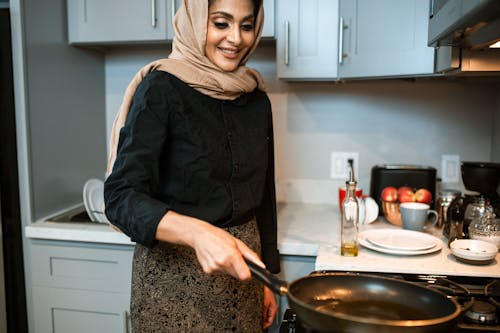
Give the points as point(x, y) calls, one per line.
point(216, 249)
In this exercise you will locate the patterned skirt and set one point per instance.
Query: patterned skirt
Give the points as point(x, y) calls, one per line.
point(171, 293)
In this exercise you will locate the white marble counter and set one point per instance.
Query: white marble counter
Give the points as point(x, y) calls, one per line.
point(302, 228)
point(77, 231)
point(442, 262)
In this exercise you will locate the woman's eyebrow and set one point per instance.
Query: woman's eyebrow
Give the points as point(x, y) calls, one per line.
point(229, 16)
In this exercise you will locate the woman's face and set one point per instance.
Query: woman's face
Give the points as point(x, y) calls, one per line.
point(230, 32)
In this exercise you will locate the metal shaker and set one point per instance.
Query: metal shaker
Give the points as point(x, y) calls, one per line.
point(445, 197)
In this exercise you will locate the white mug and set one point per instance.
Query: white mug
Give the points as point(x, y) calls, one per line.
point(414, 215)
point(368, 210)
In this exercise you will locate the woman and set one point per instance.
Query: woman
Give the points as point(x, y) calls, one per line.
point(192, 177)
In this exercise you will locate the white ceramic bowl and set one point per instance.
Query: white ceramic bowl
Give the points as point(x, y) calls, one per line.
point(473, 251)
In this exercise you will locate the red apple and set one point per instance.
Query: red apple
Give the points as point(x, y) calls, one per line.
point(390, 194)
point(406, 194)
point(423, 195)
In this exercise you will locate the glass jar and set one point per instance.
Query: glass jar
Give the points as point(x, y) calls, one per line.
point(475, 209)
point(486, 228)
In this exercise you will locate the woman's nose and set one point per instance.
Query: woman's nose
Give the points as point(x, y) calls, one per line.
point(235, 35)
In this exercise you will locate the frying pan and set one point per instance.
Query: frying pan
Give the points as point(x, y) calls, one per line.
point(355, 303)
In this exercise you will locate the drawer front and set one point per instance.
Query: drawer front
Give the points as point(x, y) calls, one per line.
point(81, 266)
point(79, 311)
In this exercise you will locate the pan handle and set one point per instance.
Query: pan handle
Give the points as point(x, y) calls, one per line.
point(263, 275)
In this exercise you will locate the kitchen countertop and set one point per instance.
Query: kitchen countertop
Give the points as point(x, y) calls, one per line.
point(302, 228)
point(438, 263)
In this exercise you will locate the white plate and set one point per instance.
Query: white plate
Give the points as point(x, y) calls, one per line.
point(364, 242)
point(400, 239)
point(473, 249)
point(93, 199)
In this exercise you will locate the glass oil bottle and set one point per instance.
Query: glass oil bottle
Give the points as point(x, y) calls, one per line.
point(350, 218)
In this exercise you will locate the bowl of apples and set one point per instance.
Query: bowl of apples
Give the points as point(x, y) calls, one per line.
point(392, 196)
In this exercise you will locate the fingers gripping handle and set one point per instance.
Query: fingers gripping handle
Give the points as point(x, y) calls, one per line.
point(263, 275)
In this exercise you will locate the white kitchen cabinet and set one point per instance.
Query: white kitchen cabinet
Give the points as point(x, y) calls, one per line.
point(343, 39)
point(77, 311)
point(384, 38)
point(269, 13)
point(129, 21)
point(307, 39)
point(119, 21)
point(81, 287)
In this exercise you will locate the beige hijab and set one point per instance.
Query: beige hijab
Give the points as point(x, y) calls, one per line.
point(189, 63)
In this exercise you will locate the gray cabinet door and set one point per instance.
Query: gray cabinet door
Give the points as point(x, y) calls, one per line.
point(268, 29)
point(81, 266)
point(293, 268)
point(307, 39)
point(383, 38)
point(103, 21)
point(80, 287)
point(80, 311)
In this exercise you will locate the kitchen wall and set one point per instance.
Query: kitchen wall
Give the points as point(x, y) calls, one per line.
point(495, 151)
point(385, 121)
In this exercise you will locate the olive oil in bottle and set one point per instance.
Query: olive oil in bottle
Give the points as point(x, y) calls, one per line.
point(350, 218)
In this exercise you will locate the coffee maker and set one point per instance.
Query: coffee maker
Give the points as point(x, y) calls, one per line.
point(481, 181)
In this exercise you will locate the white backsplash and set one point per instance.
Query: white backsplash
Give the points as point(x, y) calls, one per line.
point(311, 191)
point(385, 121)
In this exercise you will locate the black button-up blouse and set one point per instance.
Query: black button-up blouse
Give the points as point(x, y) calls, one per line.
point(184, 151)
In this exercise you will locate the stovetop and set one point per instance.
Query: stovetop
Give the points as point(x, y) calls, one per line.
point(479, 298)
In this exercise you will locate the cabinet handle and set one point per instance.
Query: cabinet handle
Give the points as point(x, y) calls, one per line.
point(126, 322)
point(287, 41)
point(173, 12)
point(85, 11)
point(153, 13)
point(341, 40)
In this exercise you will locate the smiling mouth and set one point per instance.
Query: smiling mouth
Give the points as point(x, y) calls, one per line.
point(229, 53)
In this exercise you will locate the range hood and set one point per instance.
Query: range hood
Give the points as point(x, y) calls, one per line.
point(473, 24)
point(462, 32)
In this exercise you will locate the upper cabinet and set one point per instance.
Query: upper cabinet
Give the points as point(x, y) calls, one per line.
point(342, 39)
point(119, 21)
point(268, 29)
point(131, 21)
point(384, 38)
point(307, 39)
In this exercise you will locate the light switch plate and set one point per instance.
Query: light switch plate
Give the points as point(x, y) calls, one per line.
point(450, 169)
point(340, 167)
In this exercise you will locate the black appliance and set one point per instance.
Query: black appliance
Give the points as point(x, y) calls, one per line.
point(483, 179)
point(479, 298)
point(10, 222)
point(397, 175)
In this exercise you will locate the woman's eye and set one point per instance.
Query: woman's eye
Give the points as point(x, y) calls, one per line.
point(247, 27)
point(220, 25)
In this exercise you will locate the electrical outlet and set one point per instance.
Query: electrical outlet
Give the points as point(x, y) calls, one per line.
point(340, 166)
point(450, 168)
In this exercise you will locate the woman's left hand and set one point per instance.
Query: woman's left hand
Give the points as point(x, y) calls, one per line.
point(270, 308)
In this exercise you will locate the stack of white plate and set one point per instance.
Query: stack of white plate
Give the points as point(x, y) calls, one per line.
point(93, 199)
point(399, 241)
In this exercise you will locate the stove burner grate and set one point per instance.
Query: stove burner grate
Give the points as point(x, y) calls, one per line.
point(482, 312)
